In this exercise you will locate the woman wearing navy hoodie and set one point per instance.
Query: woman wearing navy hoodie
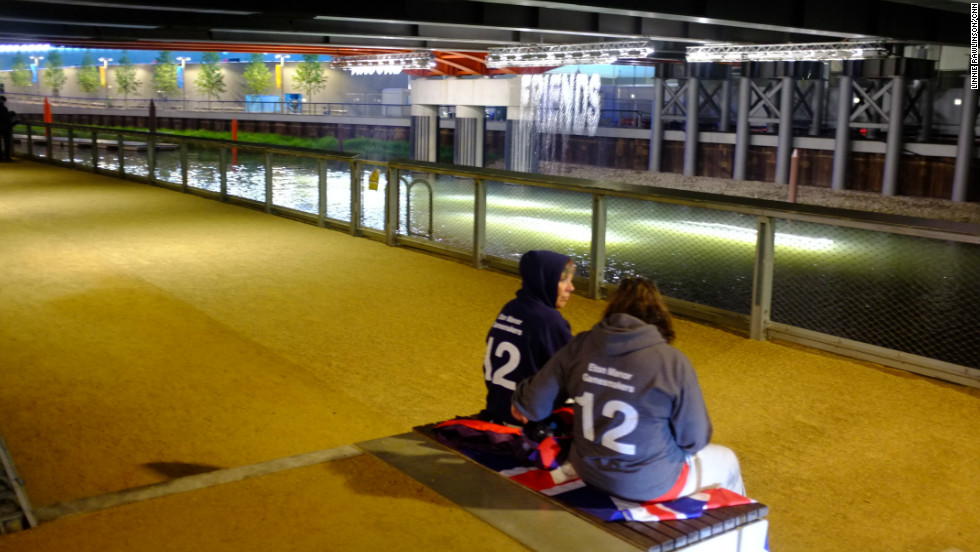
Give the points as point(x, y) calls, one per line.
point(528, 330)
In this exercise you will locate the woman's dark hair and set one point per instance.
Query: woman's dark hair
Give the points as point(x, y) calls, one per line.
point(640, 298)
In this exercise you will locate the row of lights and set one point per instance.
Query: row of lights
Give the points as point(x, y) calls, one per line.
point(384, 64)
point(567, 54)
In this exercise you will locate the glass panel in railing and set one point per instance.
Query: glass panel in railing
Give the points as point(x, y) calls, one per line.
point(108, 151)
point(83, 148)
point(246, 174)
point(522, 218)
point(20, 140)
point(911, 294)
point(39, 141)
point(168, 161)
point(338, 190)
point(295, 183)
point(699, 255)
point(373, 186)
point(136, 152)
point(203, 167)
point(438, 208)
point(59, 145)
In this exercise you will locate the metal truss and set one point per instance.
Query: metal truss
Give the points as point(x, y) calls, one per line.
point(815, 51)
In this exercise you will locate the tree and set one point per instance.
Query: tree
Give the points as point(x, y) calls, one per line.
point(54, 75)
point(88, 74)
point(210, 79)
point(257, 75)
point(165, 74)
point(125, 74)
point(309, 75)
point(20, 76)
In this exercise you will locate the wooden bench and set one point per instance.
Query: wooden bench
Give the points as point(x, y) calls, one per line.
point(734, 528)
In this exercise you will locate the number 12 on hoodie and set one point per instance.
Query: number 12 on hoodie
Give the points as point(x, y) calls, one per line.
point(498, 376)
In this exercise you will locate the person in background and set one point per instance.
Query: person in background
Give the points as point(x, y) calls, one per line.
point(641, 428)
point(527, 331)
point(6, 130)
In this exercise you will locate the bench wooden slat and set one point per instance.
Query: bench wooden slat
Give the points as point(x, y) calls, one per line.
point(671, 533)
point(695, 529)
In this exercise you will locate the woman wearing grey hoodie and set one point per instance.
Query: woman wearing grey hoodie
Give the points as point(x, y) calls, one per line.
point(641, 429)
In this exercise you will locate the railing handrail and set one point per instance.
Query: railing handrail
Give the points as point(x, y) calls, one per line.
point(292, 150)
point(959, 231)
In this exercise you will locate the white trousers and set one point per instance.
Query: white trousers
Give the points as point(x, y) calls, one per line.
point(714, 466)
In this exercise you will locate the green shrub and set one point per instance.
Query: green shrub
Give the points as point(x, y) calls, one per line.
point(326, 143)
point(377, 150)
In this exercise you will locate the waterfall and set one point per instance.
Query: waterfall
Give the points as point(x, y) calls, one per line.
point(553, 106)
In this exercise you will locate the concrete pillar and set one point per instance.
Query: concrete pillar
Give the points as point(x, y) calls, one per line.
point(925, 110)
point(742, 134)
point(469, 136)
point(657, 126)
point(818, 102)
point(964, 144)
point(842, 141)
point(784, 147)
point(691, 128)
point(893, 146)
point(726, 105)
point(425, 132)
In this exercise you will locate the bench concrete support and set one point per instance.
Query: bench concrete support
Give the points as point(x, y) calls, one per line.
point(544, 524)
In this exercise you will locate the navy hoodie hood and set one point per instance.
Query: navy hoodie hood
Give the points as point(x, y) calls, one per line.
point(540, 274)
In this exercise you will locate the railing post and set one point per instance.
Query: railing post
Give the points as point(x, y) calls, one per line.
point(762, 279)
point(392, 192)
point(120, 156)
point(49, 142)
point(30, 139)
point(597, 253)
point(223, 172)
point(321, 175)
point(183, 167)
point(268, 181)
point(71, 146)
point(355, 197)
point(151, 158)
point(479, 222)
point(95, 151)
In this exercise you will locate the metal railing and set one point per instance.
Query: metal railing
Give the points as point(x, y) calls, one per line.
point(896, 290)
point(285, 106)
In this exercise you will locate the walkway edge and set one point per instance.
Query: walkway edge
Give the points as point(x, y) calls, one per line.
point(192, 483)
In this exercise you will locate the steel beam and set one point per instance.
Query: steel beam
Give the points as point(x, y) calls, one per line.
point(893, 146)
point(742, 134)
point(785, 145)
point(657, 125)
point(691, 128)
point(843, 137)
point(964, 144)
